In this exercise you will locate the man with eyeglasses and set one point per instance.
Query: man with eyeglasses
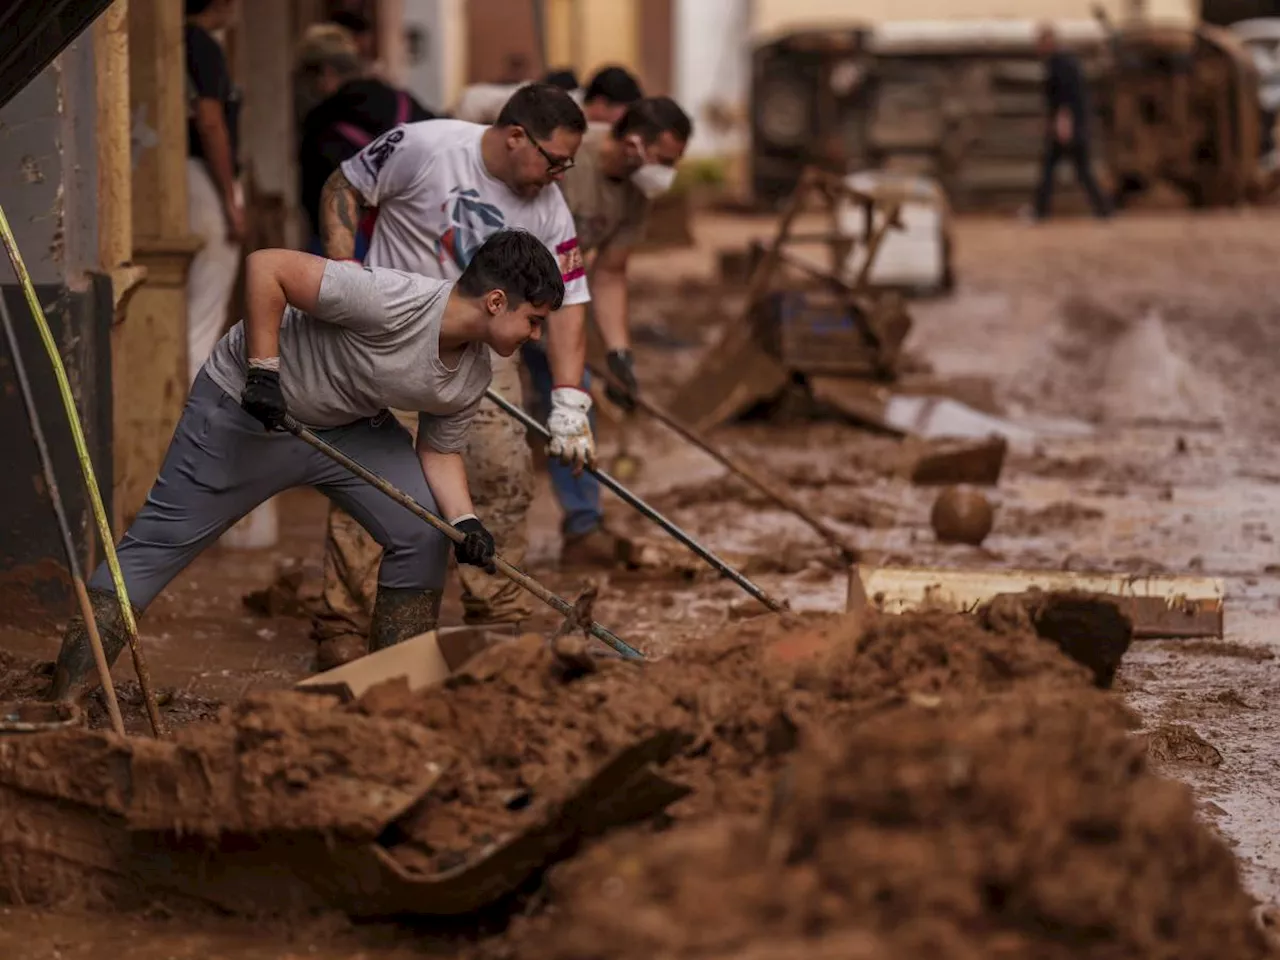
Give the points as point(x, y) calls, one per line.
point(440, 189)
point(621, 168)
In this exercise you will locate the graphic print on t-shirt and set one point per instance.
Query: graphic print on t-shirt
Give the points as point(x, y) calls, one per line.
point(471, 223)
point(375, 156)
point(569, 258)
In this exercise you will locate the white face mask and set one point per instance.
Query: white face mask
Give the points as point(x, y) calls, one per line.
point(654, 179)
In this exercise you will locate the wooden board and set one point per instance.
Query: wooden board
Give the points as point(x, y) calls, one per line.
point(736, 374)
point(1160, 605)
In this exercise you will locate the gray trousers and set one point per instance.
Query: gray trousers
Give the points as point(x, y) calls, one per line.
point(221, 464)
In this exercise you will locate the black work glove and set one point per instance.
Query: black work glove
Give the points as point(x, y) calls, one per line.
point(263, 399)
point(478, 548)
point(622, 372)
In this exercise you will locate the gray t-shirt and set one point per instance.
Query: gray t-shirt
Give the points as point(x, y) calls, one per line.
point(373, 343)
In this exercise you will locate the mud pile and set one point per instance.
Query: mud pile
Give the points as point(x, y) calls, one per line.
point(1025, 825)
point(1119, 363)
point(525, 723)
point(506, 758)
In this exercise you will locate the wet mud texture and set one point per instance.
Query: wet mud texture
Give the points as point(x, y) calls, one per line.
point(1026, 825)
point(526, 722)
point(442, 775)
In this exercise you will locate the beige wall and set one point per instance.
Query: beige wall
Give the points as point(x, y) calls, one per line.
point(588, 34)
point(774, 15)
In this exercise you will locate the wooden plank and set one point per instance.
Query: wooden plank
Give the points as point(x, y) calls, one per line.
point(1160, 605)
point(735, 375)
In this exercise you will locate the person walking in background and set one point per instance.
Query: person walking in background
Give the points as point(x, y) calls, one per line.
point(609, 93)
point(352, 109)
point(215, 203)
point(1067, 128)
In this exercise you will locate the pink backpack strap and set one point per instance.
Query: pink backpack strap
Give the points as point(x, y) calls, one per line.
point(353, 134)
point(402, 107)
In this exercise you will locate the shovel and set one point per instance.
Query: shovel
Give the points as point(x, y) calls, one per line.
point(857, 598)
point(647, 511)
point(568, 610)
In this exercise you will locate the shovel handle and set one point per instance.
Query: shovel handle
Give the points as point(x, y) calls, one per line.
point(643, 508)
point(769, 489)
point(413, 506)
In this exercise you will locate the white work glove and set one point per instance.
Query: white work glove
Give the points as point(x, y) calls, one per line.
point(571, 439)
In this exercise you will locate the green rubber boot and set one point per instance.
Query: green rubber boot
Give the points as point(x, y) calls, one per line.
point(399, 614)
point(76, 674)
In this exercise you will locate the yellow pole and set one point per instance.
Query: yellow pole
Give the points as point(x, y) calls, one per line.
point(86, 468)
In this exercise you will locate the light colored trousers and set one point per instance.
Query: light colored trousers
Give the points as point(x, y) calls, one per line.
point(213, 270)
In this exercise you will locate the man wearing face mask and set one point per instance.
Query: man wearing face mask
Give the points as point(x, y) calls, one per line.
point(441, 187)
point(619, 170)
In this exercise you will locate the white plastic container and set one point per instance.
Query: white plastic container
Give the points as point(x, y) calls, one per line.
point(257, 531)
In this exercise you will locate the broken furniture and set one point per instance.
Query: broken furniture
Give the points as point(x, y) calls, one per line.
point(802, 318)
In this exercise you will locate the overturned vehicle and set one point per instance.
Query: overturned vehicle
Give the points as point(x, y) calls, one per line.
point(963, 103)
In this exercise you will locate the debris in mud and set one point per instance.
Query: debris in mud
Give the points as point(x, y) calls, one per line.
point(946, 461)
point(1179, 743)
point(286, 596)
point(961, 515)
point(1223, 648)
point(444, 777)
point(1060, 515)
point(1027, 825)
point(1230, 698)
point(1091, 630)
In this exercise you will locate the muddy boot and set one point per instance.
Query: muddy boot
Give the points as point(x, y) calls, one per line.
point(597, 549)
point(401, 614)
point(76, 674)
point(335, 651)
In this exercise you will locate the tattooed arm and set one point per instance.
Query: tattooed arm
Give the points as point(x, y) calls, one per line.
point(340, 211)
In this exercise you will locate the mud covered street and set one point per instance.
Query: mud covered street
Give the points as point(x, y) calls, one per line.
point(1136, 359)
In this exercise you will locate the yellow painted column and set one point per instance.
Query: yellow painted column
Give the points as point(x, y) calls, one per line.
point(559, 20)
point(149, 345)
point(111, 62)
point(606, 33)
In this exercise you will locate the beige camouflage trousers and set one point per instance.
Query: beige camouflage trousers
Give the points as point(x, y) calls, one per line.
point(500, 472)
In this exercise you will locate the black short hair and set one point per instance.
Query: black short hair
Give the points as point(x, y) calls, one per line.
point(614, 84)
point(354, 22)
point(653, 116)
point(196, 7)
point(564, 78)
point(520, 265)
point(542, 110)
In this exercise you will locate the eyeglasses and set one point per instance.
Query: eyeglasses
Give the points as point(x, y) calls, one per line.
point(554, 164)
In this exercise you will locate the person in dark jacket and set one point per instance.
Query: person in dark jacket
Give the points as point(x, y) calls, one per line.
point(1067, 127)
point(353, 110)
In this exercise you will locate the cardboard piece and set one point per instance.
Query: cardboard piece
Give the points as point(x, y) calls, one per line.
point(418, 659)
point(424, 661)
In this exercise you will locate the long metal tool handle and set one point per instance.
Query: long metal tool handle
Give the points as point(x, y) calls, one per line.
point(847, 551)
point(648, 511)
point(564, 607)
point(60, 515)
point(86, 469)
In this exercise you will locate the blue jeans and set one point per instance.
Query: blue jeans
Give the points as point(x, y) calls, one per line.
point(579, 496)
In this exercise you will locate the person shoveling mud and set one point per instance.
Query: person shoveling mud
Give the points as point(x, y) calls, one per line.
point(336, 345)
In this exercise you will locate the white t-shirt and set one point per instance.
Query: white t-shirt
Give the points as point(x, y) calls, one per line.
point(437, 204)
